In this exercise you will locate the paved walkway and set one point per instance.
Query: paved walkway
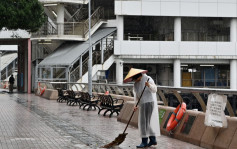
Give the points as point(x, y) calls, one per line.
point(30, 122)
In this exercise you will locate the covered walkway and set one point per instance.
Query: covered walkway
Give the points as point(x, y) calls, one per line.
point(29, 121)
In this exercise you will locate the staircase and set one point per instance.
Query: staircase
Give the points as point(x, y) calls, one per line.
point(78, 13)
point(96, 61)
point(7, 66)
point(78, 27)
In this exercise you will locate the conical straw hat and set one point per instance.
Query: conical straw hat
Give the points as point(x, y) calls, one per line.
point(132, 72)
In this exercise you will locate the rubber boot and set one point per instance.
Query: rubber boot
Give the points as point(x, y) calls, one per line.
point(152, 141)
point(144, 143)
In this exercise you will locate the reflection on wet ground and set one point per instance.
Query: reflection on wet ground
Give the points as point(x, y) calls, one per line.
point(31, 121)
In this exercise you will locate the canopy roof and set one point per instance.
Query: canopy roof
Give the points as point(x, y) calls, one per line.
point(69, 52)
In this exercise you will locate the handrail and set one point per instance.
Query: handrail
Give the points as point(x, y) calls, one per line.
point(108, 52)
point(71, 28)
point(166, 94)
point(95, 17)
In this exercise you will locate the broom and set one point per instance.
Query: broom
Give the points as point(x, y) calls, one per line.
point(122, 136)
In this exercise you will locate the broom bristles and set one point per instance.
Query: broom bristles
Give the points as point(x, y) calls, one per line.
point(117, 141)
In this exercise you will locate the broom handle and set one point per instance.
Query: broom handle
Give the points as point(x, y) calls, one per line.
point(133, 110)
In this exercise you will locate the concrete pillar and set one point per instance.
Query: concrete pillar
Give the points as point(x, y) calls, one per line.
point(233, 30)
point(119, 71)
point(177, 29)
point(29, 66)
point(177, 73)
point(60, 19)
point(36, 73)
point(120, 27)
point(233, 74)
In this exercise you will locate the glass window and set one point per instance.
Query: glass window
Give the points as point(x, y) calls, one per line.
point(205, 29)
point(149, 28)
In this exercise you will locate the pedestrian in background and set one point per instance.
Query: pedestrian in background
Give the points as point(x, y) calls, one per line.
point(148, 119)
point(11, 81)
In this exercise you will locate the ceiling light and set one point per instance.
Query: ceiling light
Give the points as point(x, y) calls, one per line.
point(54, 13)
point(207, 65)
point(50, 5)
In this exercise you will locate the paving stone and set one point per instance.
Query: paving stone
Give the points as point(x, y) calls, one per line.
point(29, 121)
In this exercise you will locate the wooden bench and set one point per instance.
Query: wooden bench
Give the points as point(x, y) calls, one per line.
point(87, 101)
point(110, 104)
point(73, 98)
point(62, 96)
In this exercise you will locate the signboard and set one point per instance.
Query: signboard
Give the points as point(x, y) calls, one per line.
point(161, 115)
point(215, 115)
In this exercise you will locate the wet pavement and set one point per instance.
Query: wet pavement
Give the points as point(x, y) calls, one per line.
point(31, 122)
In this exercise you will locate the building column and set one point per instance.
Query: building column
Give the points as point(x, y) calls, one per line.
point(36, 73)
point(29, 66)
point(233, 30)
point(233, 73)
point(60, 19)
point(120, 27)
point(177, 73)
point(177, 29)
point(119, 71)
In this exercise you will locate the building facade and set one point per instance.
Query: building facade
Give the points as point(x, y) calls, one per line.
point(182, 43)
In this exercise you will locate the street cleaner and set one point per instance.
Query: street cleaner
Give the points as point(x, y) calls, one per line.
point(148, 119)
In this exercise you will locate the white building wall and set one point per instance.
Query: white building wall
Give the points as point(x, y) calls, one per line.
point(195, 8)
point(218, 50)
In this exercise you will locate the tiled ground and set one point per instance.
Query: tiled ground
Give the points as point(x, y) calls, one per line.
point(28, 121)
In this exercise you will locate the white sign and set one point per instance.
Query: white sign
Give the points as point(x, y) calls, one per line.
point(215, 115)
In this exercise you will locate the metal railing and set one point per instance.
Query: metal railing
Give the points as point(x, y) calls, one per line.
point(108, 51)
point(70, 28)
point(196, 97)
point(47, 29)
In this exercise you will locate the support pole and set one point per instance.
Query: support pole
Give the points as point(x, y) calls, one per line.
point(90, 53)
point(29, 66)
point(0, 70)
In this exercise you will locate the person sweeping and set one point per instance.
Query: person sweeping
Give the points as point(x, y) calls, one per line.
point(148, 119)
point(145, 100)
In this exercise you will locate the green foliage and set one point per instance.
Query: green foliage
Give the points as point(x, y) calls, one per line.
point(21, 14)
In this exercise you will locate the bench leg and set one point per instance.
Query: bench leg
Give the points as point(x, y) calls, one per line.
point(106, 111)
point(117, 113)
point(81, 105)
point(85, 106)
point(111, 113)
point(89, 107)
point(100, 110)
